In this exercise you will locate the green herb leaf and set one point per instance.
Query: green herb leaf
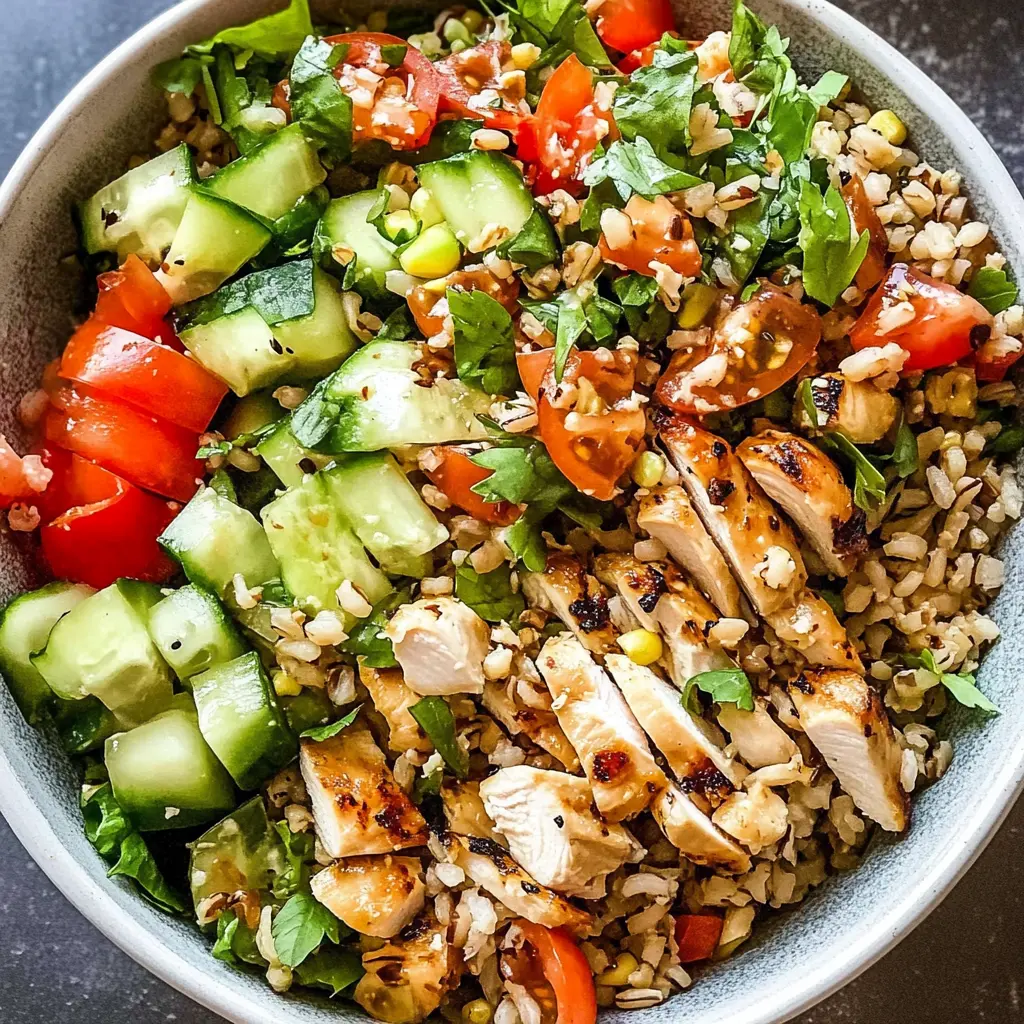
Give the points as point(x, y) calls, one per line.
point(227, 927)
point(277, 36)
point(208, 451)
point(634, 168)
point(1007, 442)
point(332, 969)
point(435, 718)
point(831, 258)
point(726, 686)
point(749, 230)
point(905, 456)
point(993, 289)
point(485, 349)
point(300, 926)
point(635, 289)
point(869, 484)
point(325, 732)
point(489, 594)
point(299, 856)
point(523, 472)
point(523, 538)
point(398, 326)
point(962, 686)
point(827, 88)
point(317, 102)
point(182, 74)
point(747, 37)
point(367, 640)
point(572, 314)
point(535, 246)
point(222, 483)
point(393, 54)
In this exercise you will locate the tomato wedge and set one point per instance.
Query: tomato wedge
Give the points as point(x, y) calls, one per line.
point(993, 362)
point(654, 232)
point(423, 299)
point(75, 481)
point(565, 130)
point(142, 373)
point(144, 449)
point(566, 971)
point(594, 443)
point(455, 476)
point(471, 86)
point(864, 218)
point(404, 99)
point(697, 936)
point(936, 323)
point(760, 345)
point(133, 299)
point(633, 24)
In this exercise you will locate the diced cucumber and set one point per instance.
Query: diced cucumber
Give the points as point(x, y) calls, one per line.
point(269, 180)
point(386, 511)
point(214, 539)
point(83, 725)
point(214, 240)
point(240, 349)
point(252, 413)
point(192, 632)
point(139, 212)
point(295, 229)
point(102, 648)
point(317, 548)
point(240, 720)
point(290, 460)
point(477, 189)
point(24, 627)
point(382, 403)
point(344, 224)
point(308, 709)
point(163, 773)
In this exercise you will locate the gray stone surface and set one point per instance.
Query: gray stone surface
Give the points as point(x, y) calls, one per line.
point(963, 964)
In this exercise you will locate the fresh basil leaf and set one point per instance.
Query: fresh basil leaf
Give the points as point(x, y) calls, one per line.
point(299, 855)
point(485, 349)
point(277, 36)
point(393, 54)
point(993, 289)
point(831, 257)
point(435, 718)
point(182, 74)
point(368, 641)
point(962, 686)
point(317, 102)
point(300, 926)
point(726, 686)
point(535, 246)
point(1008, 441)
point(747, 37)
point(869, 484)
point(489, 594)
point(634, 168)
point(325, 732)
point(332, 969)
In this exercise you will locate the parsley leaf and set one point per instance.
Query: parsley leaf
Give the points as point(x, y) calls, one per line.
point(333, 969)
point(489, 594)
point(367, 640)
point(523, 538)
point(831, 258)
point(869, 484)
point(485, 350)
point(962, 686)
point(317, 102)
point(325, 732)
point(298, 849)
point(635, 289)
point(523, 472)
point(300, 926)
point(648, 319)
point(435, 718)
point(535, 246)
point(726, 686)
point(236, 943)
point(748, 33)
point(572, 314)
point(993, 289)
point(634, 167)
point(398, 326)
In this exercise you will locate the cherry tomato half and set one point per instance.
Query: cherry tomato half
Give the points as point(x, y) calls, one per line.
point(563, 967)
point(628, 25)
point(455, 476)
point(472, 86)
point(654, 232)
point(864, 218)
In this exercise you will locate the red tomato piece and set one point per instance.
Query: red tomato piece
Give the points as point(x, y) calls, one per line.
point(404, 99)
point(697, 936)
point(455, 476)
point(947, 324)
point(146, 450)
point(566, 971)
point(115, 537)
point(143, 373)
point(133, 299)
point(654, 232)
point(993, 361)
point(75, 481)
point(471, 81)
point(632, 24)
point(760, 345)
point(422, 299)
point(565, 130)
point(864, 218)
point(644, 57)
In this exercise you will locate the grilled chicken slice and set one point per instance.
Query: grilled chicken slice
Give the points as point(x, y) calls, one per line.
point(685, 618)
point(565, 589)
point(757, 737)
point(407, 978)
point(687, 743)
point(593, 714)
point(639, 586)
point(375, 896)
point(813, 629)
point(358, 807)
point(756, 542)
point(392, 698)
point(856, 408)
point(807, 485)
point(844, 718)
point(464, 810)
point(554, 831)
point(692, 832)
point(491, 867)
point(667, 515)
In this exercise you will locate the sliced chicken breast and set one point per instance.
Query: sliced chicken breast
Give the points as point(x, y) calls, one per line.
point(566, 590)
point(691, 831)
point(844, 718)
point(667, 515)
point(639, 586)
point(441, 644)
point(537, 723)
point(757, 737)
point(358, 807)
point(392, 698)
point(684, 623)
point(491, 867)
point(813, 629)
point(856, 408)
point(554, 831)
point(593, 714)
point(756, 542)
point(375, 896)
point(464, 810)
point(807, 485)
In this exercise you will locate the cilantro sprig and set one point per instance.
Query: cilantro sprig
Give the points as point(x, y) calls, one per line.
point(961, 685)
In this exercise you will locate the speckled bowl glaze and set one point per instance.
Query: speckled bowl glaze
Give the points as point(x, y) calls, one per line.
point(796, 958)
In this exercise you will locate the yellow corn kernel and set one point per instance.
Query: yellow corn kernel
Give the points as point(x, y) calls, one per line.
point(285, 686)
point(425, 208)
point(641, 646)
point(433, 253)
point(477, 1012)
point(473, 20)
point(889, 125)
point(647, 469)
point(524, 56)
point(698, 301)
point(625, 963)
point(377, 21)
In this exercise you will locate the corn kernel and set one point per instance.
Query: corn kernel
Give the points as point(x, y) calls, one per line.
point(377, 21)
point(890, 126)
point(433, 253)
point(285, 686)
point(524, 56)
point(648, 469)
point(698, 300)
point(400, 225)
point(424, 208)
point(473, 20)
point(642, 647)
point(625, 963)
point(477, 1012)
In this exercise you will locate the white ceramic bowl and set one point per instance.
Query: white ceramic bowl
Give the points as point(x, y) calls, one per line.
point(796, 958)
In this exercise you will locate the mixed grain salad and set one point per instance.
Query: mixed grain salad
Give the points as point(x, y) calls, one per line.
point(522, 501)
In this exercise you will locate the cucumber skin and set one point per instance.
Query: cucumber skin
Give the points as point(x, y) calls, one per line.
point(344, 223)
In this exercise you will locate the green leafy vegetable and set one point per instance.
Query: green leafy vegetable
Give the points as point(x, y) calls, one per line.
point(325, 732)
point(398, 326)
point(828, 88)
point(182, 74)
point(435, 718)
point(905, 456)
point(485, 349)
point(572, 314)
point(648, 319)
point(300, 926)
point(523, 472)
point(524, 539)
point(221, 482)
point(726, 686)
point(236, 943)
point(489, 594)
point(869, 484)
point(993, 289)
point(209, 451)
point(393, 54)
point(831, 257)
point(298, 850)
point(332, 969)
point(573, 32)
point(747, 37)
point(368, 641)
point(277, 36)
point(535, 246)
point(962, 685)
point(1008, 441)
point(635, 289)
point(317, 102)
point(634, 168)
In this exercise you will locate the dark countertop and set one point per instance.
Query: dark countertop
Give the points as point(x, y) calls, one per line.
point(963, 964)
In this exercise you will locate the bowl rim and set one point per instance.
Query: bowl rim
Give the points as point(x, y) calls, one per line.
point(94, 900)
